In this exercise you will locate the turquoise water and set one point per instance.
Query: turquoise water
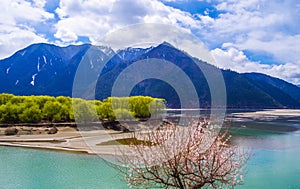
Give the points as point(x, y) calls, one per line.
point(37, 169)
point(274, 163)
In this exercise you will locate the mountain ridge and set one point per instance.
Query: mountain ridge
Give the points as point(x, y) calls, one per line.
point(47, 69)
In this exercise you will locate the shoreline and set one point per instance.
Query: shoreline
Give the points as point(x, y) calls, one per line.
point(45, 148)
point(70, 139)
point(67, 139)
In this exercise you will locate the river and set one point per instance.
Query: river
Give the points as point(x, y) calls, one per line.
point(274, 163)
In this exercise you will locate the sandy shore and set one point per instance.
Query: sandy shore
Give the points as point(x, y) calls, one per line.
point(68, 139)
point(267, 114)
point(275, 112)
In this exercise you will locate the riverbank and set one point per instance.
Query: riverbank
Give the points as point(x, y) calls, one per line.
point(67, 139)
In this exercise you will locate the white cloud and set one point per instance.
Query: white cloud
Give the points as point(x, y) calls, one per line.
point(252, 25)
point(102, 17)
point(206, 20)
point(238, 21)
point(17, 22)
point(16, 11)
point(39, 3)
point(285, 48)
point(265, 26)
point(14, 38)
point(66, 35)
point(234, 59)
point(145, 35)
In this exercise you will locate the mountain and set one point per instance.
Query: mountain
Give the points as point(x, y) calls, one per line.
point(130, 53)
point(242, 91)
point(276, 86)
point(154, 87)
point(45, 69)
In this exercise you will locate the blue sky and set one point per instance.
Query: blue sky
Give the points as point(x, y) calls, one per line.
point(245, 36)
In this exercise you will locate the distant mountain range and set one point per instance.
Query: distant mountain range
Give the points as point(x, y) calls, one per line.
point(45, 69)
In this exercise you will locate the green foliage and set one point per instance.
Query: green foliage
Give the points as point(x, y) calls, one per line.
point(84, 111)
point(4, 98)
point(157, 108)
point(143, 106)
point(31, 109)
point(127, 141)
point(31, 114)
point(9, 113)
point(140, 105)
point(42, 100)
point(52, 111)
point(105, 110)
point(123, 114)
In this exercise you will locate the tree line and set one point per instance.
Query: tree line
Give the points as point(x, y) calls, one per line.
point(34, 109)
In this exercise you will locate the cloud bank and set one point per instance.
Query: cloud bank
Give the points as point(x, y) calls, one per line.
point(233, 30)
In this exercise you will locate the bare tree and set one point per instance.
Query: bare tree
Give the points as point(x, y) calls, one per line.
point(183, 157)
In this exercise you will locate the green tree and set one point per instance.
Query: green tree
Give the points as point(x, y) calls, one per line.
point(52, 111)
point(123, 114)
point(15, 109)
point(106, 111)
point(9, 113)
point(5, 98)
point(84, 111)
point(31, 114)
point(18, 99)
point(66, 108)
point(41, 100)
point(140, 105)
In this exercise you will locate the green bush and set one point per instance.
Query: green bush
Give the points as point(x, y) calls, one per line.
point(84, 111)
point(21, 109)
point(123, 114)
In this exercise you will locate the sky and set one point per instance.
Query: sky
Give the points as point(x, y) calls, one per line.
point(244, 36)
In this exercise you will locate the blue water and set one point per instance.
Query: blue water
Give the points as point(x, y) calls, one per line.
point(29, 168)
point(274, 163)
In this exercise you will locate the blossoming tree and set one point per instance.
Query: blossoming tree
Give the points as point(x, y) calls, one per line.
point(183, 157)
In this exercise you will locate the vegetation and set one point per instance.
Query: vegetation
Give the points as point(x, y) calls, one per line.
point(127, 141)
point(182, 157)
point(33, 109)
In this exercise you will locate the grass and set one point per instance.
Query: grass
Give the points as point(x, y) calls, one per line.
point(127, 141)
